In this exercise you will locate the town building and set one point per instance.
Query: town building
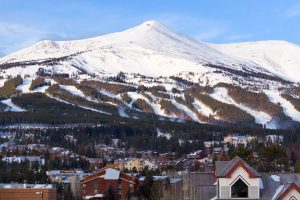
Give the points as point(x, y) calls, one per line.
point(274, 139)
point(139, 164)
point(134, 163)
point(236, 179)
point(239, 140)
point(106, 182)
point(27, 192)
point(69, 179)
point(19, 159)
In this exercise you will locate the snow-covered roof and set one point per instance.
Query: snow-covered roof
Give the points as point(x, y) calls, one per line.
point(17, 185)
point(175, 180)
point(111, 174)
point(275, 178)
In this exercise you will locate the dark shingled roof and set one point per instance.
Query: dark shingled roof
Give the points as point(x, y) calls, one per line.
point(223, 167)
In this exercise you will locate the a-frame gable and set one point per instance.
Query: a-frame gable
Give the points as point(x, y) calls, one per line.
point(291, 187)
point(244, 166)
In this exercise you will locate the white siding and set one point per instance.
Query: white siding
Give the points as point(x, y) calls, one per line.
point(225, 183)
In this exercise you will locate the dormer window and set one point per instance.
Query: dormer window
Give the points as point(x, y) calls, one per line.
point(239, 189)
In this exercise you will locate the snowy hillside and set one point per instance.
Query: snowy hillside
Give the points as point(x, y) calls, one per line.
point(136, 50)
point(150, 71)
point(279, 57)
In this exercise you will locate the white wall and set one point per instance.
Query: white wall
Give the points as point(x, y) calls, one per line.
point(292, 193)
point(225, 184)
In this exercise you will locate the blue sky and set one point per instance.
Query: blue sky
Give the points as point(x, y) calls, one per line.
point(24, 22)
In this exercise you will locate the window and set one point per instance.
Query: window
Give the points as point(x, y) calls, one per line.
point(239, 189)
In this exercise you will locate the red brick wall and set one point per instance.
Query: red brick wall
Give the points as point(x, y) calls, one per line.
point(103, 185)
point(27, 194)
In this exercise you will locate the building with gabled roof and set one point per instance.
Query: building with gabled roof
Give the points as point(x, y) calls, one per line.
point(290, 191)
point(236, 179)
point(108, 180)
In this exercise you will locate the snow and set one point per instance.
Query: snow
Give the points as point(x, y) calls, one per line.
point(95, 110)
point(139, 47)
point(139, 50)
point(73, 90)
point(221, 94)
point(185, 109)
point(275, 178)
point(109, 94)
point(202, 108)
point(161, 134)
point(111, 174)
point(41, 89)
point(24, 87)
point(288, 108)
point(279, 57)
point(2, 81)
point(278, 191)
point(84, 107)
point(122, 112)
point(156, 106)
point(12, 106)
point(261, 184)
point(134, 96)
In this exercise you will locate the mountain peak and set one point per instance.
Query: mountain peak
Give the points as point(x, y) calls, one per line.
point(152, 23)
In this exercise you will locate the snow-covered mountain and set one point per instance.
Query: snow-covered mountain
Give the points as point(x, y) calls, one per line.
point(279, 57)
point(151, 54)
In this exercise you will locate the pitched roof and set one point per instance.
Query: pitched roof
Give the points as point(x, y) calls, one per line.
point(111, 174)
point(284, 190)
point(226, 168)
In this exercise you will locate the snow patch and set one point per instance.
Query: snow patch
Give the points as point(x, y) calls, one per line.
point(261, 184)
point(72, 89)
point(122, 112)
point(24, 87)
point(288, 108)
point(202, 108)
point(278, 191)
point(275, 178)
point(185, 109)
point(12, 106)
point(41, 89)
point(161, 134)
point(221, 94)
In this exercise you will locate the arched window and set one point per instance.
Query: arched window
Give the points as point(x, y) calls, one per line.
point(239, 189)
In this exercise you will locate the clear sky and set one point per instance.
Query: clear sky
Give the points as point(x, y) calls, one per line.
point(24, 22)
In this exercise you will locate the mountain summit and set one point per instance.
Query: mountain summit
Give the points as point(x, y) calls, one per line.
point(252, 83)
point(150, 45)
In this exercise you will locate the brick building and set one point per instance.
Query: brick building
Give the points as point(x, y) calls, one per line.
point(108, 182)
point(27, 192)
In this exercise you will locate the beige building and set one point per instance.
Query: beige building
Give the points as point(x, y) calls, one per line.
point(239, 140)
point(139, 164)
point(134, 163)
